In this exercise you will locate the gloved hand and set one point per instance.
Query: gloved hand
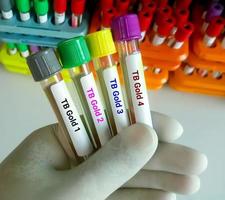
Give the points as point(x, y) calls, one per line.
point(40, 169)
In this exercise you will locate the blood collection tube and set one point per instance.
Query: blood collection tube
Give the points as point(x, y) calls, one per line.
point(188, 69)
point(107, 16)
point(162, 13)
point(23, 49)
point(126, 31)
point(183, 4)
point(202, 72)
point(213, 31)
point(41, 8)
point(24, 9)
point(102, 48)
point(106, 4)
point(122, 6)
point(163, 31)
point(6, 9)
point(145, 19)
point(75, 55)
point(182, 34)
point(142, 3)
point(45, 69)
point(60, 11)
point(181, 15)
point(34, 49)
point(78, 8)
point(214, 10)
point(12, 50)
point(162, 3)
point(149, 7)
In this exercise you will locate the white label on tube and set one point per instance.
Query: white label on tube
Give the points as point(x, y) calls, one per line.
point(72, 120)
point(7, 14)
point(25, 16)
point(43, 18)
point(59, 18)
point(96, 107)
point(139, 93)
point(114, 91)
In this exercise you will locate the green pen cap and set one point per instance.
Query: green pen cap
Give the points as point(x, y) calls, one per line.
point(41, 7)
point(22, 47)
point(74, 52)
point(10, 45)
point(23, 5)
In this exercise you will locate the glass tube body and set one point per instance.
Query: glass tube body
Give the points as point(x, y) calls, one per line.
point(106, 69)
point(92, 104)
point(136, 90)
point(48, 85)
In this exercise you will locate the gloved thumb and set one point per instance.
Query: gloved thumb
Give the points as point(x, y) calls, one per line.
point(110, 167)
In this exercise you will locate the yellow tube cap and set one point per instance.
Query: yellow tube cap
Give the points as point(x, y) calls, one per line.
point(100, 43)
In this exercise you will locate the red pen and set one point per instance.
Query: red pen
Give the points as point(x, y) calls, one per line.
point(60, 9)
point(163, 30)
point(183, 33)
point(161, 14)
point(181, 15)
point(122, 6)
point(145, 19)
point(213, 31)
point(107, 16)
point(77, 8)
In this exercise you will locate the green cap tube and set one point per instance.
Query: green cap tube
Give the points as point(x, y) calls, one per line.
point(74, 52)
point(41, 7)
point(10, 45)
point(22, 47)
point(23, 5)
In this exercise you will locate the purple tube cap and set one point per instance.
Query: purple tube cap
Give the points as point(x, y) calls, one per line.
point(214, 10)
point(126, 28)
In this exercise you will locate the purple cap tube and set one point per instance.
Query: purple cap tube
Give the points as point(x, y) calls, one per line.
point(214, 10)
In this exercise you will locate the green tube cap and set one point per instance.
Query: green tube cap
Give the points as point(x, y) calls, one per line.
point(22, 47)
point(23, 5)
point(41, 7)
point(74, 52)
point(11, 45)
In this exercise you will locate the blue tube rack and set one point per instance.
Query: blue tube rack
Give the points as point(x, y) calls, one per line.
point(47, 34)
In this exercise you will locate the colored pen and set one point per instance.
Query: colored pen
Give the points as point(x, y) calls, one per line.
point(163, 31)
point(77, 8)
point(41, 8)
point(213, 31)
point(102, 48)
point(145, 19)
point(60, 11)
point(161, 14)
point(45, 69)
point(75, 55)
point(182, 34)
point(214, 10)
point(24, 9)
point(126, 31)
point(12, 50)
point(6, 9)
point(23, 49)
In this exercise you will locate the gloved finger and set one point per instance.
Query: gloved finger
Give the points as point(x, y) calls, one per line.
point(143, 194)
point(177, 159)
point(181, 184)
point(109, 168)
point(167, 128)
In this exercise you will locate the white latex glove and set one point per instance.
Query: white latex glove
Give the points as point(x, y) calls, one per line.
point(39, 168)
